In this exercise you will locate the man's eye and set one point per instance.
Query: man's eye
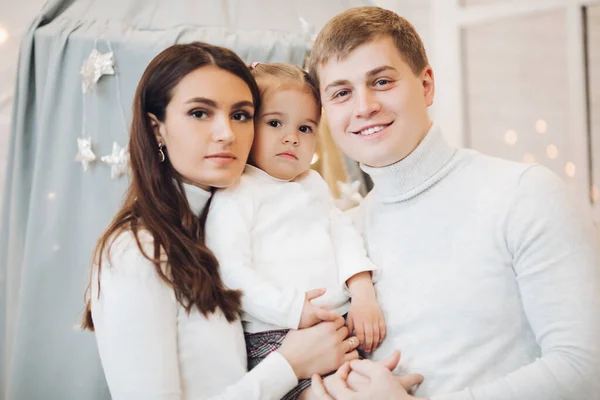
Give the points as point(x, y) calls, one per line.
point(342, 93)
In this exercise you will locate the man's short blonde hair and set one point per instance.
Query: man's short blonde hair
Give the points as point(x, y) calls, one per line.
point(357, 26)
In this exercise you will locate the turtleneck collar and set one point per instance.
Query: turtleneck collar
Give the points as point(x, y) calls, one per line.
point(415, 173)
point(196, 197)
point(262, 175)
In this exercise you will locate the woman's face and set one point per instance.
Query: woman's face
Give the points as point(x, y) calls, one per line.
point(208, 127)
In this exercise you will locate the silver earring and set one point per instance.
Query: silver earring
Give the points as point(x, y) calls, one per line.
point(161, 153)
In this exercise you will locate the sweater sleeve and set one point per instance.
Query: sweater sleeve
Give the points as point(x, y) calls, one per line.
point(269, 380)
point(350, 253)
point(557, 271)
point(135, 319)
point(229, 225)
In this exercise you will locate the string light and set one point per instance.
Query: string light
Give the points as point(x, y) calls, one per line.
point(51, 196)
point(3, 35)
point(541, 126)
point(552, 151)
point(570, 169)
point(510, 137)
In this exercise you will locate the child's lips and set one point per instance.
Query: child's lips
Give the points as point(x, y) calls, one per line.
point(288, 155)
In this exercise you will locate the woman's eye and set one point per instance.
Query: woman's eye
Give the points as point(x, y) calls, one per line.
point(242, 116)
point(382, 82)
point(305, 129)
point(200, 114)
point(342, 93)
point(274, 123)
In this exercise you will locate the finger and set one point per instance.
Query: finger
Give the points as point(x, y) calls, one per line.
point(342, 332)
point(368, 344)
point(391, 361)
point(359, 328)
point(353, 355)
point(350, 323)
point(339, 386)
point(350, 344)
point(376, 342)
point(338, 324)
point(313, 294)
point(343, 371)
point(410, 380)
point(382, 330)
point(318, 388)
point(368, 368)
point(325, 315)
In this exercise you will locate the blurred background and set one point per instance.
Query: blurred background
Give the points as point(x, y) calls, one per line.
point(517, 79)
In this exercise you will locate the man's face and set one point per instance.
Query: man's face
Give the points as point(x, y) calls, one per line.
point(375, 104)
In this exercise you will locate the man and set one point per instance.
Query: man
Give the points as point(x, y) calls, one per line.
point(489, 278)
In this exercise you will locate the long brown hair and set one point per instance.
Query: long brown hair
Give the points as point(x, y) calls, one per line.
point(155, 201)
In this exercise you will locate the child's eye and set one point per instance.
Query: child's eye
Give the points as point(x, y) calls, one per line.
point(242, 116)
point(305, 129)
point(200, 114)
point(341, 93)
point(274, 123)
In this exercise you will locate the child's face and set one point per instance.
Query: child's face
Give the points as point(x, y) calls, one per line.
point(285, 133)
point(375, 105)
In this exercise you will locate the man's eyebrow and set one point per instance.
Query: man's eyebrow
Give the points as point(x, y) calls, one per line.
point(379, 70)
point(339, 82)
point(369, 74)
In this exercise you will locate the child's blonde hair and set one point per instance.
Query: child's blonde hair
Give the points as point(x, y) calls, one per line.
point(357, 26)
point(279, 76)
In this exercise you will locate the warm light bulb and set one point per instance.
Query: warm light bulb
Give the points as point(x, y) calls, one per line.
point(3, 35)
point(570, 169)
point(552, 151)
point(528, 158)
point(541, 126)
point(510, 137)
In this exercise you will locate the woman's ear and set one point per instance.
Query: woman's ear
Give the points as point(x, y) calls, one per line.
point(158, 127)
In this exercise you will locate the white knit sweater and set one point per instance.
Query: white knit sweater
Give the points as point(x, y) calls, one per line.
point(152, 349)
point(276, 239)
point(489, 276)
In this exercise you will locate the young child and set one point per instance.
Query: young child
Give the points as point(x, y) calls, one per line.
point(279, 237)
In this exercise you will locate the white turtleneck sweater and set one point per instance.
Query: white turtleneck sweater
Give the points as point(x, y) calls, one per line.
point(151, 349)
point(489, 276)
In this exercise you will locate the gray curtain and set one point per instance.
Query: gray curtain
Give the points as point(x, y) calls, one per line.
point(53, 211)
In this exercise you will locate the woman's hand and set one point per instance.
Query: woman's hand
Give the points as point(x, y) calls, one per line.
point(382, 384)
point(320, 349)
point(311, 314)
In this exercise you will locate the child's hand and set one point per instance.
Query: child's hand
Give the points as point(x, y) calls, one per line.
point(366, 319)
point(311, 314)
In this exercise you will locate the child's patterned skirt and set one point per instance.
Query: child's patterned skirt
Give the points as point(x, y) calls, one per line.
point(260, 345)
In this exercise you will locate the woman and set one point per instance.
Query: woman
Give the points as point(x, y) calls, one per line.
point(166, 326)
